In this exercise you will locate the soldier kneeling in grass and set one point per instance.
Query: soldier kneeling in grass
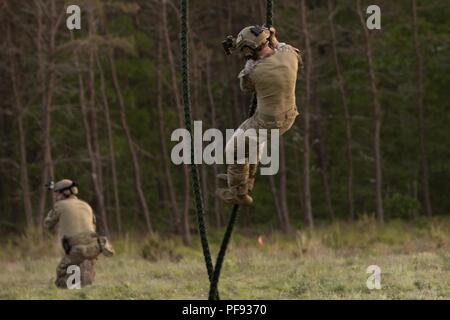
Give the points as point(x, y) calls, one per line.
point(77, 224)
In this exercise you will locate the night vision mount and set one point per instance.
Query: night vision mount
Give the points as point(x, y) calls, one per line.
point(229, 44)
point(50, 185)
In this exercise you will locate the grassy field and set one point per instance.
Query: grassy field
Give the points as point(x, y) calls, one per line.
point(329, 263)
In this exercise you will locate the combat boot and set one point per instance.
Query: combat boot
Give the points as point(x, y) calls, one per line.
point(227, 196)
point(237, 191)
point(106, 247)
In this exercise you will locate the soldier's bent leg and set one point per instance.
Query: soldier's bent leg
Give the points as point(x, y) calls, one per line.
point(237, 191)
point(61, 272)
point(223, 178)
point(237, 175)
point(251, 177)
point(68, 260)
point(87, 268)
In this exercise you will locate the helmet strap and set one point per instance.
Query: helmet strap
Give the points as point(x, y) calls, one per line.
point(255, 52)
point(67, 193)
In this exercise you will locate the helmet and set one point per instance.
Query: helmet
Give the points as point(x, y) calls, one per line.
point(252, 37)
point(66, 186)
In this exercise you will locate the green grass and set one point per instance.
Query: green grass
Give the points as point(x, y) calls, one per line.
point(329, 263)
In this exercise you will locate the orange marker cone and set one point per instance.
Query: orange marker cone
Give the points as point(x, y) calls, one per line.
point(260, 241)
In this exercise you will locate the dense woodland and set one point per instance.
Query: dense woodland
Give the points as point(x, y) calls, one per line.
point(98, 105)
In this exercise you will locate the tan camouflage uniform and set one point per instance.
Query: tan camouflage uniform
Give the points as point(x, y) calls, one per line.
point(274, 79)
point(77, 225)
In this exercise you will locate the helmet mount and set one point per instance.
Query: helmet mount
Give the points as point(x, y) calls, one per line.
point(249, 40)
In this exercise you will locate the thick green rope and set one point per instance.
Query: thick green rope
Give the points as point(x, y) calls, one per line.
point(269, 13)
point(188, 124)
point(213, 274)
point(233, 216)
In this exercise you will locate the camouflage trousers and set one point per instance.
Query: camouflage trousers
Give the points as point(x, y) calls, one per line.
point(82, 252)
point(241, 176)
point(87, 272)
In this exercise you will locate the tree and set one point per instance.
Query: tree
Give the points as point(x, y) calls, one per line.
point(280, 197)
point(88, 137)
point(425, 180)
point(377, 118)
point(91, 113)
point(176, 94)
point(347, 115)
point(134, 156)
point(46, 79)
point(19, 111)
point(112, 157)
point(308, 215)
point(162, 132)
point(218, 208)
point(322, 156)
point(283, 188)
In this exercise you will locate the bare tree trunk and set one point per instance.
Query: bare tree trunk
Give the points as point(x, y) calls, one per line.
point(162, 133)
point(205, 190)
point(134, 156)
point(230, 67)
point(87, 128)
point(46, 89)
point(323, 161)
point(283, 189)
point(348, 118)
point(415, 195)
point(112, 157)
point(19, 110)
point(92, 111)
point(425, 180)
point(377, 120)
point(308, 215)
point(187, 239)
point(297, 156)
point(224, 27)
point(218, 208)
point(278, 208)
point(198, 112)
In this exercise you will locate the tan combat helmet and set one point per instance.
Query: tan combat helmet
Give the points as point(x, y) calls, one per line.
point(251, 38)
point(66, 187)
